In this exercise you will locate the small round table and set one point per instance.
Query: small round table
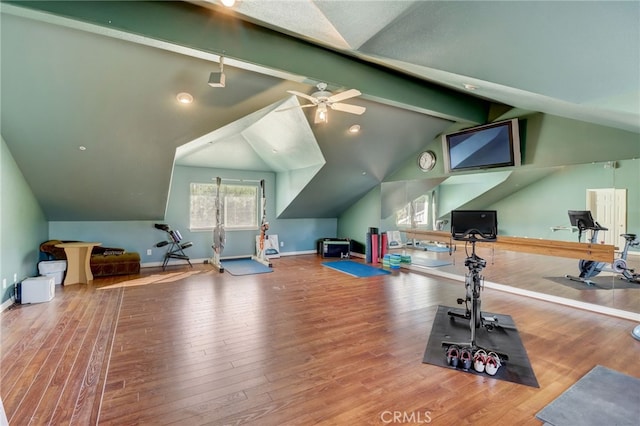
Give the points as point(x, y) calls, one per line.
point(78, 258)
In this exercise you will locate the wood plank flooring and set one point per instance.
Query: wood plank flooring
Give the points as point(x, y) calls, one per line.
point(304, 345)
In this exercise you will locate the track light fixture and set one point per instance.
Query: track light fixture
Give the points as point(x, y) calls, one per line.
point(216, 79)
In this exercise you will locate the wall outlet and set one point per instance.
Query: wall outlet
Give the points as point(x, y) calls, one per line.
point(149, 252)
point(281, 243)
point(4, 283)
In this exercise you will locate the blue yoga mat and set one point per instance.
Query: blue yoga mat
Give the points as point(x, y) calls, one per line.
point(244, 267)
point(355, 269)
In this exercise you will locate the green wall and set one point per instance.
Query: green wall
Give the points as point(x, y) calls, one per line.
point(532, 211)
point(546, 141)
point(565, 156)
point(22, 225)
point(298, 235)
point(357, 220)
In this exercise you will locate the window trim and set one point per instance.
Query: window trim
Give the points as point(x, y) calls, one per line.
point(255, 226)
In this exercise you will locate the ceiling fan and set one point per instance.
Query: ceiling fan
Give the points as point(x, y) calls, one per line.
point(324, 100)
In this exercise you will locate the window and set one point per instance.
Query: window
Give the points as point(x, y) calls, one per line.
point(415, 213)
point(403, 216)
point(238, 208)
point(421, 211)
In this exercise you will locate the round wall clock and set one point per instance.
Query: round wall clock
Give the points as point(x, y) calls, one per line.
point(426, 160)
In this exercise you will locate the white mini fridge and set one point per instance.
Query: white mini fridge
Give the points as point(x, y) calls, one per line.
point(37, 289)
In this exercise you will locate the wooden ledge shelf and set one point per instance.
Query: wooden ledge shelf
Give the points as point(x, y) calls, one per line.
point(573, 250)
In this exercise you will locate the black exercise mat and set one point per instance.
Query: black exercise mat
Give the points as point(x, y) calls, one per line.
point(606, 282)
point(503, 339)
point(600, 397)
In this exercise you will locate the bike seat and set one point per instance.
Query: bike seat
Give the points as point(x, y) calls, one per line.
point(628, 236)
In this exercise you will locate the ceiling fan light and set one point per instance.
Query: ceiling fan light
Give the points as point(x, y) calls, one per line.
point(321, 115)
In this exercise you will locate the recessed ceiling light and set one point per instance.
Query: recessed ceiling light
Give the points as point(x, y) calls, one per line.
point(364, 173)
point(82, 148)
point(184, 98)
point(354, 129)
point(228, 3)
point(470, 86)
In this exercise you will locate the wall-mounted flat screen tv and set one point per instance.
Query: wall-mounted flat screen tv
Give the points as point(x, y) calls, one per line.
point(483, 147)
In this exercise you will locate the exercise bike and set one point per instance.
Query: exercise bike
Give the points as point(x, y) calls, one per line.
point(471, 227)
point(583, 220)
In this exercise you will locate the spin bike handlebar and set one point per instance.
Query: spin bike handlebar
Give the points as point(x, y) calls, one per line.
point(474, 235)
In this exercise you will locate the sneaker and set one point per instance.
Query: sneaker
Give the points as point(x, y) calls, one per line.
point(453, 355)
point(465, 358)
point(492, 364)
point(479, 360)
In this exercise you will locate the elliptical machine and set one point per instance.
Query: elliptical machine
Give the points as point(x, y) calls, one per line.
point(583, 220)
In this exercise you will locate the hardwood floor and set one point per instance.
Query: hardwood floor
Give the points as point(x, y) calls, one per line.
point(302, 345)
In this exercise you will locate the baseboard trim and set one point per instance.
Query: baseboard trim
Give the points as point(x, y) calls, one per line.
point(10, 301)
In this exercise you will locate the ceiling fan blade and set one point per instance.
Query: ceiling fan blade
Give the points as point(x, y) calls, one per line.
point(351, 93)
point(295, 106)
point(353, 109)
point(303, 95)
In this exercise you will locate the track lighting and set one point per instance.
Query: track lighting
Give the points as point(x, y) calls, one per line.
point(216, 79)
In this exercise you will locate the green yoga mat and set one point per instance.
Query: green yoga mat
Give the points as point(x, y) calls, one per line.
point(433, 248)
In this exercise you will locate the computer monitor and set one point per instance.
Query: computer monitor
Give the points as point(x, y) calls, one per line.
point(581, 219)
point(474, 225)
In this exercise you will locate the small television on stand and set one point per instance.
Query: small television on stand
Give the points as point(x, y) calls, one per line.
point(484, 147)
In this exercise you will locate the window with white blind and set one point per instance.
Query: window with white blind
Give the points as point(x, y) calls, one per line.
point(239, 206)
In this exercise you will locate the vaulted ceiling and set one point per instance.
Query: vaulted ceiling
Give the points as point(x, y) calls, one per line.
point(104, 76)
